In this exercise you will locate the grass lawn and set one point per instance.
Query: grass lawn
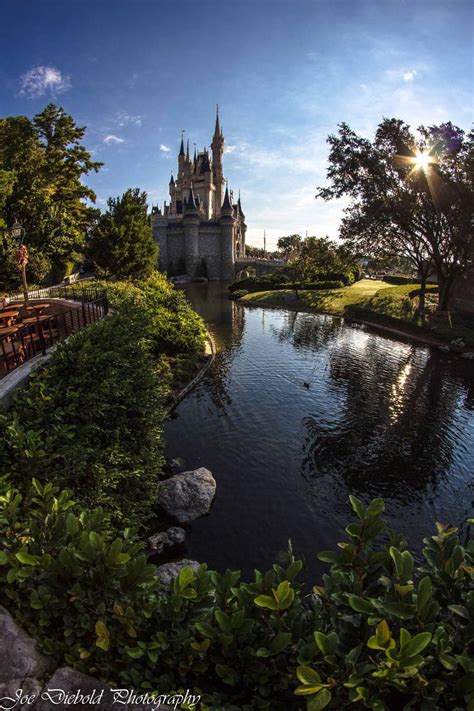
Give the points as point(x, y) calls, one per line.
point(372, 301)
point(333, 301)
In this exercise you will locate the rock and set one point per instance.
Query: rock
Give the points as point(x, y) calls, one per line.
point(69, 689)
point(157, 543)
point(444, 349)
point(168, 571)
point(19, 658)
point(189, 495)
point(176, 464)
point(24, 691)
point(468, 356)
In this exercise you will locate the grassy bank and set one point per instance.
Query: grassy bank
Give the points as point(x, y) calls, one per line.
point(393, 307)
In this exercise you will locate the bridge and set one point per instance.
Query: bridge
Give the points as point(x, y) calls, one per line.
point(261, 266)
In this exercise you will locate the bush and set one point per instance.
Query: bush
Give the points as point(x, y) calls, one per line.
point(321, 285)
point(90, 419)
point(399, 279)
point(238, 294)
point(378, 632)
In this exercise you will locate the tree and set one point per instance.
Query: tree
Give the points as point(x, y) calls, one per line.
point(121, 244)
point(410, 197)
point(47, 163)
point(289, 246)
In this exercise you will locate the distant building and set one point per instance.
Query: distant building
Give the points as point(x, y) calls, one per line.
point(202, 230)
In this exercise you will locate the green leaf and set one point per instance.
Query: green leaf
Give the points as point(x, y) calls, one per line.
point(357, 506)
point(26, 559)
point(3, 558)
point(280, 641)
point(185, 577)
point(416, 644)
point(460, 610)
point(307, 675)
point(399, 609)
point(360, 604)
point(375, 508)
point(326, 643)
point(265, 601)
point(320, 701)
point(425, 593)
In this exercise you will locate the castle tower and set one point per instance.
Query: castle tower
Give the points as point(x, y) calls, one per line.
point(181, 157)
point(217, 146)
point(226, 223)
point(191, 222)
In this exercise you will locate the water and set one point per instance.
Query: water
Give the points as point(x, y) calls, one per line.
point(381, 417)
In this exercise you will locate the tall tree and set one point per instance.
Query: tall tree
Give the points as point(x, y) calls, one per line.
point(121, 244)
point(48, 162)
point(289, 246)
point(410, 197)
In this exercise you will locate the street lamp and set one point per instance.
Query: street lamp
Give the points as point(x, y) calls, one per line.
point(17, 232)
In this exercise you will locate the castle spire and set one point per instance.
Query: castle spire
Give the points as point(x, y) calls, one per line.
point(226, 205)
point(187, 150)
point(217, 130)
point(181, 150)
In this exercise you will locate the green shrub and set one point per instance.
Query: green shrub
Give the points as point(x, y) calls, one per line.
point(238, 294)
point(322, 285)
point(91, 418)
point(378, 633)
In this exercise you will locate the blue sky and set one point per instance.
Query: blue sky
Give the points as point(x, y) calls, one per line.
point(284, 73)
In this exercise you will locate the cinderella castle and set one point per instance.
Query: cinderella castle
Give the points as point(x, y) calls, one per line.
point(201, 232)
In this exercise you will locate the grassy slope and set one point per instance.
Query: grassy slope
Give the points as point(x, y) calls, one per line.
point(333, 301)
point(369, 298)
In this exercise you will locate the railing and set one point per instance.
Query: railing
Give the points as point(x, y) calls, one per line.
point(35, 334)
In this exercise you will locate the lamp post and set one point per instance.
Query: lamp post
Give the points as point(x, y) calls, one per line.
point(17, 232)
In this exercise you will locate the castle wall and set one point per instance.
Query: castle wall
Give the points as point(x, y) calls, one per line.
point(210, 250)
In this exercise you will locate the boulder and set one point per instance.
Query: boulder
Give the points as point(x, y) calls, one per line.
point(189, 495)
point(168, 571)
point(158, 542)
point(19, 657)
point(24, 691)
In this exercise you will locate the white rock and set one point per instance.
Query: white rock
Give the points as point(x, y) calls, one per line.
point(189, 495)
point(168, 571)
point(19, 657)
point(158, 542)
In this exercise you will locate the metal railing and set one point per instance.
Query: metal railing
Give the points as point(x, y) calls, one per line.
point(35, 334)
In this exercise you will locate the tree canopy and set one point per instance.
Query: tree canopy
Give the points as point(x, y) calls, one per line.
point(411, 196)
point(42, 166)
point(121, 244)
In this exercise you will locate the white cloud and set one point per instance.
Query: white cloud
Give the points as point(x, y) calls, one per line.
point(42, 80)
point(122, 118)
point(409, 76)
point(236, 148)
point(164, 149)
point(113, 139)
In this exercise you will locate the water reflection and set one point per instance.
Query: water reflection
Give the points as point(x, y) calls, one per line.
point(299, 411)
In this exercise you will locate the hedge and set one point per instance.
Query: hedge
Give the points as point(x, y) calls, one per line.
point(378, 632)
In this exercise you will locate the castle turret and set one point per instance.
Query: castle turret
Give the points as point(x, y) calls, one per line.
point(181, 157)
point(217, 146)
point(191, 234)
point(226, 223)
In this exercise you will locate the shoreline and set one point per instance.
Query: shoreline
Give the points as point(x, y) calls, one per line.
point(423, 337)
point(209, 359)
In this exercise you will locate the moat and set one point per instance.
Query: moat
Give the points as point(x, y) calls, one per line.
point(300, 410)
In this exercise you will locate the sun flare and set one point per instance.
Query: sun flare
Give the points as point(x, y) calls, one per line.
point(422, 160)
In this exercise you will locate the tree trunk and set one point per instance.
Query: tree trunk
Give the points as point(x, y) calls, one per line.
point(445, 297)
point(422, 301)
